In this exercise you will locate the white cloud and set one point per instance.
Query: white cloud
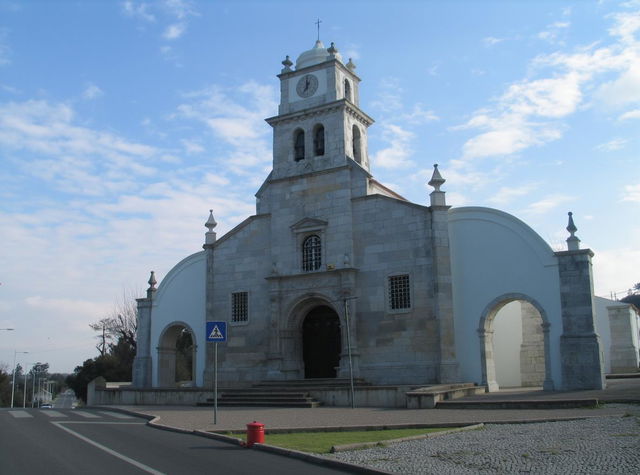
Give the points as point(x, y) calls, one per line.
point(419, 115)
point(490, 41)
point(547, 204)
point(506, 193)
point(633, 114)
point(397, 154)
point(92, 92)
point(137, 10)
point(613, 145)
point(615, 269)
point(175, 31)
point(192, 147)
point(632, 193)
point(531, 112)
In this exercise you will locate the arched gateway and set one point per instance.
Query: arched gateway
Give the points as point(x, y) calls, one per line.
point(321, 343)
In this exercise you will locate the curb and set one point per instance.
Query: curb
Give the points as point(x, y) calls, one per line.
point(366, 445)
point(318, 460)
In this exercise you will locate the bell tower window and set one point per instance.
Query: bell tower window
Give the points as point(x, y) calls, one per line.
point(357, 152)
point(347, 90)
point(318, 140)
point(298, 145)
point(311, 253)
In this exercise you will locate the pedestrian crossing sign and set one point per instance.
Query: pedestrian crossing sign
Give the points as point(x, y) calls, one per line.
point(216, 331)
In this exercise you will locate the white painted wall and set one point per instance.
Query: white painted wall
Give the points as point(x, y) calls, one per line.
point(603, 329)
point(181, 299)
point(494, 254)
point(507, 339)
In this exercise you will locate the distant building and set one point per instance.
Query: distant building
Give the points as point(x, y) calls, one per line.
point(332, 255)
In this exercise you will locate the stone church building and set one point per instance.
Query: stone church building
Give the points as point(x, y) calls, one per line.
point(332, 256)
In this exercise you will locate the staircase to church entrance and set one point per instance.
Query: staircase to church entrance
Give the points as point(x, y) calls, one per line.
point(291, 393)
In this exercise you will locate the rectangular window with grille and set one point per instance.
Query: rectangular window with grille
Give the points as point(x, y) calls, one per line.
point(399, 292)
point(239, 307)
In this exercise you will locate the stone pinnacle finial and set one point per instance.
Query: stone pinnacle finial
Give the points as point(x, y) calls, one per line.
point(436, 179)
point(152, 281)
point(573, 243)
point(332, 50)
point(351, 66)
point(287, 63)
point(210, 236)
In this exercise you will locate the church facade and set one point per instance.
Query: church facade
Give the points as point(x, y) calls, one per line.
point(336, 274)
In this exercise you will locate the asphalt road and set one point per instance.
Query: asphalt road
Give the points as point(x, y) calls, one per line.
point(65, 441)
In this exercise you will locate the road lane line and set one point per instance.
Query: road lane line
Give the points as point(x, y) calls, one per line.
point(117, 415)
point(88, 415)
point(135, 463)
point(19, 414)
point(52, 413)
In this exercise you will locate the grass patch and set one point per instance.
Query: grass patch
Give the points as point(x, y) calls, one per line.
point(321, 442)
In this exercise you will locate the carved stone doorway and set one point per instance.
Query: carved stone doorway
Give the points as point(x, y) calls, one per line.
point(321, 343)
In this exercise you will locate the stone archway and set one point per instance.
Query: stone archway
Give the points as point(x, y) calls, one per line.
point(531, 361)
point(321, 343)
point(177, 356)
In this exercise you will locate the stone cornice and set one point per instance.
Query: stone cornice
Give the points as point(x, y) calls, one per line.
point(324, 109)
point(314, 274)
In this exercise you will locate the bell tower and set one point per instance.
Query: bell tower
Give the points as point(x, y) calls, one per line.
point(319, 123)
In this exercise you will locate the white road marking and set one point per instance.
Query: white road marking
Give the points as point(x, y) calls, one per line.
point(52, 413)
point(117, 415)
point(88, 415)
point(19, 414)
point(135, 463)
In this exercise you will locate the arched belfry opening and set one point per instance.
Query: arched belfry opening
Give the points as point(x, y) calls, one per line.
point(515, 345)
point(347, 90)
point(298, 145)
point(357, 145)
point(176, 357)
point(321, 343)
point(318, 140)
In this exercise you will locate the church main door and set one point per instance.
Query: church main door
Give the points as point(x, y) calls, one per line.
point(321, 343)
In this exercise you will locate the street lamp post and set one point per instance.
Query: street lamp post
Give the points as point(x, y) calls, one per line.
point(24, 395)
point(13, 383)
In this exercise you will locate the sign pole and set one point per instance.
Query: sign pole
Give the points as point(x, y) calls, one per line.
point(215, 383)
point(346, 314)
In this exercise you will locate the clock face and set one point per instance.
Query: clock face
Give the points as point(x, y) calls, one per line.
point(307, 85)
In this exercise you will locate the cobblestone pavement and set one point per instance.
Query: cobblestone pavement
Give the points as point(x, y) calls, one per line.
point(603, 445)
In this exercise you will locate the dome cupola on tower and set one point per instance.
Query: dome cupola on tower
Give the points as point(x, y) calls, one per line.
point(316, 55)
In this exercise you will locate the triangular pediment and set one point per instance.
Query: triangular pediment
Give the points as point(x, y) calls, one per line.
point(307, 224)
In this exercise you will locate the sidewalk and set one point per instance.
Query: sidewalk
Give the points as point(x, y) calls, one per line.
point(231, 418)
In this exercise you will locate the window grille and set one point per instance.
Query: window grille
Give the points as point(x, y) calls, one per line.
point(239, 307)
point(311, 253)
point(399, 292)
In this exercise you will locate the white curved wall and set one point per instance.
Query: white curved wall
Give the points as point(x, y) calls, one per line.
point(181, 298)
point(494, 254)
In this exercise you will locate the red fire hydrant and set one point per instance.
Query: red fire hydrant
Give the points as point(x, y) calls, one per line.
point(255, 433)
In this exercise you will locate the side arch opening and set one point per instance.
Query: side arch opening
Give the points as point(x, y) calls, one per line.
point(177, 357)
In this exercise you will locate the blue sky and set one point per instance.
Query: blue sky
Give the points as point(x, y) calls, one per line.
point(123, 122)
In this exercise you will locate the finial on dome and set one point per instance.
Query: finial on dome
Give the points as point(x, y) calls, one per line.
point(287, 63)
point(437, 196)
point(351, 66)
point(152, 285)
point(210, 236)
point(573, 243)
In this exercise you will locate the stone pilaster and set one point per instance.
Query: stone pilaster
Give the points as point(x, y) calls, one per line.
point(580, 349)
point(210, 240)
point(142, 363)
point(623, 351)
point(442, 282)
